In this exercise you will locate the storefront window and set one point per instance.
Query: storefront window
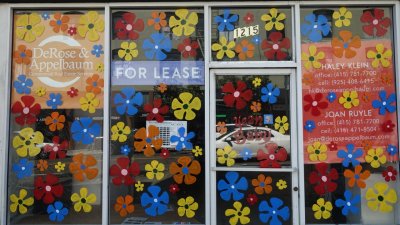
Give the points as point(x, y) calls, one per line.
point(157, 117)
point(350, 117)
point(55, 155)
point(251, 34)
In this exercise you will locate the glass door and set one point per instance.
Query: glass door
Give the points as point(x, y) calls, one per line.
point(253, 147)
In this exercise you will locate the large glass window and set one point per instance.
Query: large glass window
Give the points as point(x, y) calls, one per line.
point(55, 155)
point(157, 117)
point(350, 116)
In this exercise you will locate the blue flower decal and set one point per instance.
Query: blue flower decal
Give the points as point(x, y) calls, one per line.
point(183, 141)
point(245, 154)
point(349, 204)
point(155, 203)
point(270, 93)
point(46, 15)
point(385, 103)
point(57, 211)
point(125, 150)
point(23, 84)
point(156, 46)
point(331, 97)
point(350, 156)
point(309, 126)
point(84, 130)
point(97, 50)
point(127, 100)
point(273, 212)
point(256, 39)
point(315, 27)
point(225, 22)
point(392, 150)
point(54, 100)
point(231, 187)
point(23, 168)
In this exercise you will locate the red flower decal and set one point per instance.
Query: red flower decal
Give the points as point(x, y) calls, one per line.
point(315, 104)
point(376, 21)
point(123, 173)
point(275, 45)
point(388, 126)
point(248, 18)
point(72, 92)
point(173, 188)
point(239, 95)
point(390, 174)
point(323, 179)
point(47, 189)
point(27, 110)
point(188, 48)
point(128, 28)
point(156, 111)
point(71, 30)
point(273, 156)
point(252, 199)
point(164, 153)
point(57, 149)
point(332, 146)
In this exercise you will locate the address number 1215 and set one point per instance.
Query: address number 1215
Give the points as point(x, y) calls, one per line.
point(245, 31)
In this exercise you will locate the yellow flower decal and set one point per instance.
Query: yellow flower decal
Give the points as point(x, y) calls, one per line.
point(273, 19)
point(83, 200)
point(281, 124)
point(257, 82)
point(183, 107)
point(223, 47)
point(312, 58)
point(155, 170)
point(26, 142)
point(375, 157)
point(28, 27)
point(342, 17)
point(59, 166)
point(139, 186)
point(100, 67)
point(185, 24)
point(317, 151)
point(120, 132)
point(381, 197)
point(238, 214)
point(226, 156)
point(89, 25)
point(281, 184)
point(349, 99)
point(41, 91)
point(380, 56)
point(197, 151)
point(187, 207)
point(89, 102)
point(322, 209)
point(128, 51)
point(20, 202)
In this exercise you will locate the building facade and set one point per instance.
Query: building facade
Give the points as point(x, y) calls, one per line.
point(256, 112)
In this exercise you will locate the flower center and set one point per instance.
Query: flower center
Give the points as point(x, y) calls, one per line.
point(29, 27)
point(275, 46)
point(236, 94)
point(25, 110)
point(324, 178)
point(124, 206)
point(348, 203)
point(311, 58)
point(383, 103)
point(155, 200)
point(380, 198)
point(185, 170)
point(350, 156)
point(375, 22)
point(90, 25)
point(148, 140)
point(83, 167)
point(154, 111)
point(357, 176)
point(28, 142)
point(129, 27)
point(23, 168)
point(57, 211)
point(315, 26)
point(232, 186)
point(342, 18)
point(317, 151)
point(226, 156)
point(224, 48)
point(84, 130)
point(314, 103)
point(59, 22)
point(94, 84)
point(157, 20)
point(48, 188)
point(390, 174)
point(273, 212)
point(248, 18)
point(262, 184)
point(188, 48)
point(182, 139)
point(322, 208)
point(54, 100)
point(345, 45)
point(271, 157)
point(127, 101)
point(183, 22)
point(273, 19)
point(378, 56)
point(185, 106)
point(225, 21)
point(375, 157)
point(83, 200)
point(244, 49)
point(124, 172)
point(20, 202)
point(55, 148)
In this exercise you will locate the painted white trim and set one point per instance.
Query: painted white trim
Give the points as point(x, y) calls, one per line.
point(256, 64)
point(252, 169)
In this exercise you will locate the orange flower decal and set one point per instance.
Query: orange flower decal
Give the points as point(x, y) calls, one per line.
point(157, 20)
point(81, 165)
point(245, 50)
point(308, 79)
point(147, 141)
point(221, 128)
point(366, 97)
point(184, 170)
point(55, 121)
point(22, 55)
point(255, 106)
point(357, 177)
point(124, 205)
point(94, 84)
point(346, 45)
point(162, 88)
point(60, 22)
point(42, 165)
point(367, 145)
point(262, 184)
